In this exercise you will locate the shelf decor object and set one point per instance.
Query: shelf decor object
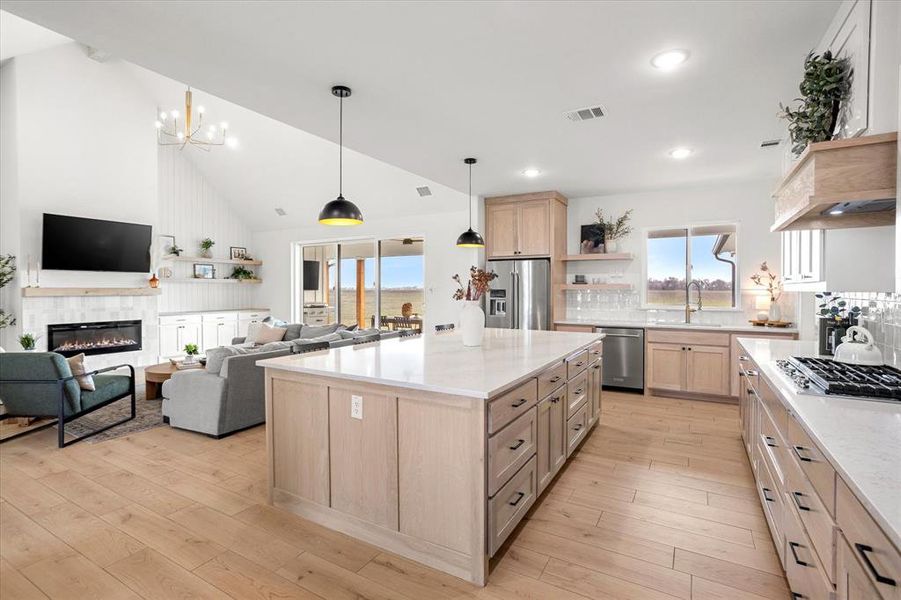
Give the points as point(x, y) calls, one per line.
point(169, 133)
point(340, 212)
point(470, 238)
point(840, 184)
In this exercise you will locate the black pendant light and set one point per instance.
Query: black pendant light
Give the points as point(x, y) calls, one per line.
point(470, 238)
point(340, 212)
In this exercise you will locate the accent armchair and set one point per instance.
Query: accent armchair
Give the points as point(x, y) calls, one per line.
point(41, 384)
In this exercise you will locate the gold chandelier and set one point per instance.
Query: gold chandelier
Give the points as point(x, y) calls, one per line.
point(171, 132)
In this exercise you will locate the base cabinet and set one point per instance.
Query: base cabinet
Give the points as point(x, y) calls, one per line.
point(595, 384)
point(684, 368)
point(852, 581)
point(551, 445)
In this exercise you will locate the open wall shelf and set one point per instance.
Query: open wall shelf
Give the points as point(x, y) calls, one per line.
point(594, 287)
point(218, 261)
point(611, 256)
point(202, 280)
point(39, 292)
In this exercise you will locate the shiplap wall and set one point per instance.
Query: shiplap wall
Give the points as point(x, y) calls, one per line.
point(192, 209)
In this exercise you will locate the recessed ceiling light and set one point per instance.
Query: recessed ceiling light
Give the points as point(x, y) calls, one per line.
point(531, 172)
point(680, 153)
point(669, 60)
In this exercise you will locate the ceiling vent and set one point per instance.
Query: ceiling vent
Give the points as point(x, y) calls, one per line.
point(586, 114)
point(424, 191)
point(770, 143)
point(280, 212)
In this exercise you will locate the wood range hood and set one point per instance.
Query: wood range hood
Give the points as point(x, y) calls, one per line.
point(860, 171)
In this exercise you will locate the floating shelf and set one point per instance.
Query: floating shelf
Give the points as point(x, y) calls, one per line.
point(610, 256)
point(39, 292)
point(218, 261)
point(594, 286)
point(202, 280)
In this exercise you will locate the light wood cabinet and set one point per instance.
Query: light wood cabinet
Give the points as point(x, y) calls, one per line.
point(852, 583)
point(707, 370)
point(502, 230)
point(595, 384)
point(551, 447)
point(518, 229)
point(535, 228)
point(666, 367)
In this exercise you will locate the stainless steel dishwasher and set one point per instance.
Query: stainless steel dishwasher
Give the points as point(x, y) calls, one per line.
point(623, 358)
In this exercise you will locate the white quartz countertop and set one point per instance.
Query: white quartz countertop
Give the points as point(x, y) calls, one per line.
point(747, 327)
point(861, 438)
point(441, 363)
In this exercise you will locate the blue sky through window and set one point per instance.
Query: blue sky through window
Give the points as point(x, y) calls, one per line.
point(397, 272)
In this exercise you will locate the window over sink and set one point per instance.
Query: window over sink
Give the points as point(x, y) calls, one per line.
point(678, 256)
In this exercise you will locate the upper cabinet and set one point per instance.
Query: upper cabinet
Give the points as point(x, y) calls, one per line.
point(840, 184)
point(525, 225)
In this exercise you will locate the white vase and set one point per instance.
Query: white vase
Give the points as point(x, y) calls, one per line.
point(775, 312)
point(611, 246)
point(472, 323)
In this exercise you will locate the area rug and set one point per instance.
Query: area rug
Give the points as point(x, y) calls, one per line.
point(148, 414)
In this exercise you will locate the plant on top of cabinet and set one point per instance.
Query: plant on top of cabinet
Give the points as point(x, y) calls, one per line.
point(826, 84)
point(614, 229)
point(206, 245)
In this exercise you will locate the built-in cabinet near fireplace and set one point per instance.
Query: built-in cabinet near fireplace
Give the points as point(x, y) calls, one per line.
point(103, 337)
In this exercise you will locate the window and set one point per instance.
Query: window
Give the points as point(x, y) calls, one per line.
point(704, 254)
point(360, 282)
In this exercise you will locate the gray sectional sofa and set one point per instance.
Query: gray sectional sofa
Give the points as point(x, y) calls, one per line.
point(228, 394)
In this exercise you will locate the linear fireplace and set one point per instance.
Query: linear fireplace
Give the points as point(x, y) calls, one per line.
point(103, 337)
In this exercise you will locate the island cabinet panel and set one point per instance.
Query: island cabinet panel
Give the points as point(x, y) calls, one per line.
point(511, 405)
point(551, 379)
point(814, 464)
point(441, 472)
point(510, 505)
point(853, 581)
point(510, 449)
point(551, 448)
point(803, 568)
point(364, 455)
point(300, 463)
point(577, 393)
point(576, 429)
point(595, 385)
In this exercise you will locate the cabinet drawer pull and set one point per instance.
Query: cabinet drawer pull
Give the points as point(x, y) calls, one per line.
point(519, 496)
point(580, 363)
point(797, 596)
point(577, 427)
point(770, 441)
point(796, 496)
point(517, 444)
point(554, 379)
point(597, 366)
point(743, 359)
point(863, 549)
point(519, 403)
point(766, 492)
point(798, 450)
point(555, 399)
point(792, 546)
point(752, 373)
point(579, 391)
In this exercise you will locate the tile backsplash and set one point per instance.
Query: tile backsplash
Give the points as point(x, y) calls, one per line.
point(880, 313)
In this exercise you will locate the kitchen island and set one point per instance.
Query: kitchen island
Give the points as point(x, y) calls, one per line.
point(427, 448)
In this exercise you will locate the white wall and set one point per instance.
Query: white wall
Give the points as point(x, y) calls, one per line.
point(10, 299)
point(442, 258)
point(191, 209)
point(747, 203)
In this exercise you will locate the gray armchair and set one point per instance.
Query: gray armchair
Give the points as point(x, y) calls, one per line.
point(41, 384)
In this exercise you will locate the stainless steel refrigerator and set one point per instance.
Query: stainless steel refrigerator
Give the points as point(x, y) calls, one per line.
point(520, 297)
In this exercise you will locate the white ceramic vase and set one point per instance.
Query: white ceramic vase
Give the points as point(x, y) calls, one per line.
point(775, 311)
point(472, 323)
point(611, 246)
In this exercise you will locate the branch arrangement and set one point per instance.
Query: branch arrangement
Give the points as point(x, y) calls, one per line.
point(479, 283)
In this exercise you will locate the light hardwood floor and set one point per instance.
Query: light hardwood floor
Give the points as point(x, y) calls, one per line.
point(659, 503)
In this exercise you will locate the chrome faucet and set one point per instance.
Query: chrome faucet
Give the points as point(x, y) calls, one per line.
point(688, 308)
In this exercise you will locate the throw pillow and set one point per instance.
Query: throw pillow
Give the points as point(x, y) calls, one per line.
point(263, 333)
point(293, 332)
point(76, 365)
point(216, 356)
point(310, 332)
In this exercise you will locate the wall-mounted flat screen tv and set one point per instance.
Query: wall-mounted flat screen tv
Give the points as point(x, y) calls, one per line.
point(311, 275)
point(79, 244)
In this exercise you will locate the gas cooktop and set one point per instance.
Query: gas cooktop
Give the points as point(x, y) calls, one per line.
point(824, 376)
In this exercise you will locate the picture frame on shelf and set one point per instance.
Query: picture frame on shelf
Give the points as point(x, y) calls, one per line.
point(237, 253)
point(167, 245)
point(591, 240)
point(204, 271)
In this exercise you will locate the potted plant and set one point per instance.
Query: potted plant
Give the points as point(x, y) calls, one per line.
point(174, 250)
point(835, 319)
point(240, 272)
point(191, 353)
point(27, 341)
point(614, 229)
point(825, 85)
point(773, 285)
point(206, 245)
point(472, 318)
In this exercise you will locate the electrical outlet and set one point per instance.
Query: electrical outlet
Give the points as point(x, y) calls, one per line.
point(356, 407)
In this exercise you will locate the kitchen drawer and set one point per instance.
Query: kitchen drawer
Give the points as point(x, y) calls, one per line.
point(854, 583)
point(221, 316)
point(512, 404)
point(180, 320)
point(803, 568)
point(576, 429)
point(551, 379)
point(510, 505)
point(774, 405)
point(771, 497)
point(510, 448)
point(880, 559)
point(773, 444)
point(817, 522)
point(576, 363)
point(577, 394)
point(813, 463)
point(684, 337)
point(595, 351)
